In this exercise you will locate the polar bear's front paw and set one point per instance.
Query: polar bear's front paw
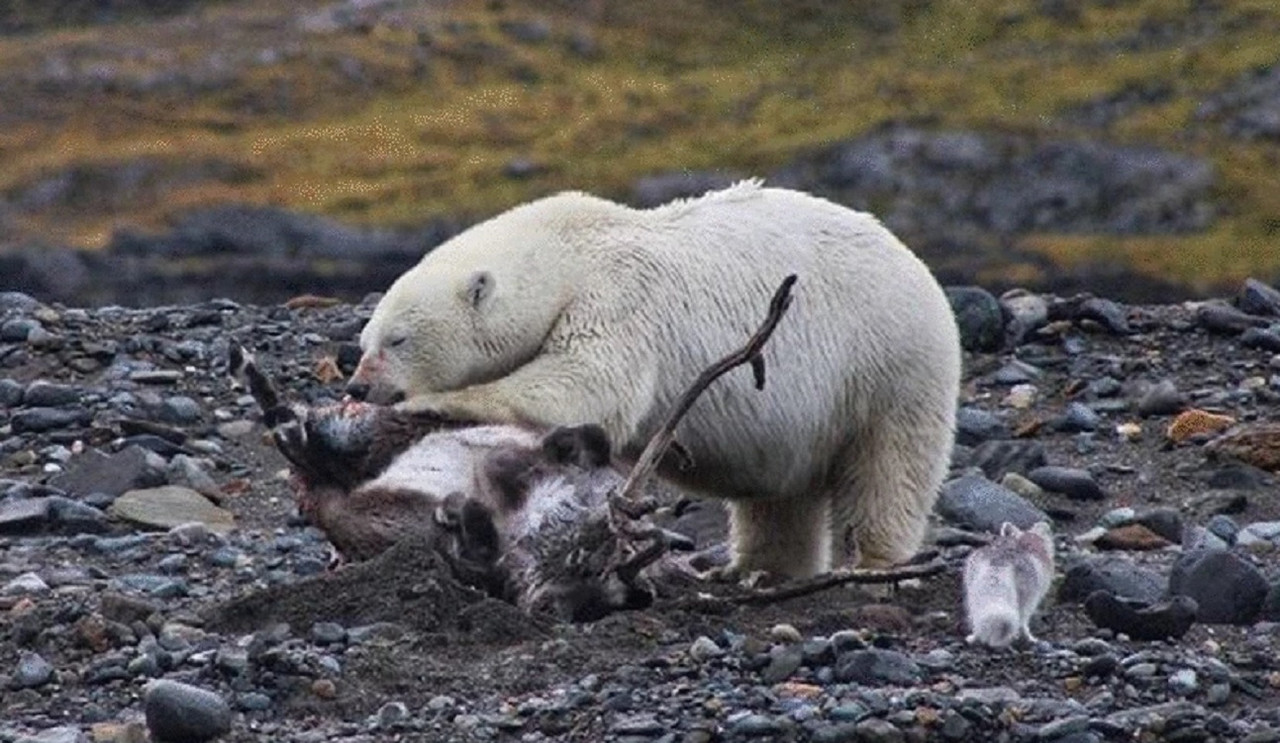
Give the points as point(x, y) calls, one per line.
point(742, 576)
point(441, 405)
point(424, 403)
point(480, 404)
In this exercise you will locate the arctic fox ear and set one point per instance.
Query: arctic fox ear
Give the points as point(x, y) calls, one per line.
point(478, 288)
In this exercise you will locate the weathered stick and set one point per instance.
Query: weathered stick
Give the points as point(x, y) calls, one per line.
point(748, 354)
point(837, 578)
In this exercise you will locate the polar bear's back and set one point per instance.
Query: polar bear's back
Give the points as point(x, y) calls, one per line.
point(869, 329)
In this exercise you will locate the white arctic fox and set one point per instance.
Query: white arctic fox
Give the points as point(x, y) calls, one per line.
point(1004, 583)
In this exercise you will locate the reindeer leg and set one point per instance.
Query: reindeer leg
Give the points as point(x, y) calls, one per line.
point(336, 560)
point(291, 440)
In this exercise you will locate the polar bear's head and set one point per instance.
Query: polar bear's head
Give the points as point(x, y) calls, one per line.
point(444, 325)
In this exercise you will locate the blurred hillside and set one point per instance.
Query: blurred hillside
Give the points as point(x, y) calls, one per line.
point(1121, 145)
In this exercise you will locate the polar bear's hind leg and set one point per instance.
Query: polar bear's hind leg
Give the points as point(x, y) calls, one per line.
point(890, 484)
point(784, 537)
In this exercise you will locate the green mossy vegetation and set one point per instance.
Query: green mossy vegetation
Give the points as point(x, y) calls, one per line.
point(421, 111)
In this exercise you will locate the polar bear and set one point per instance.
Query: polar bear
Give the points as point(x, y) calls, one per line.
point(573, 309)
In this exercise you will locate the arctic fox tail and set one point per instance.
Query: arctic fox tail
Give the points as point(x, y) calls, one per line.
point(995, 630)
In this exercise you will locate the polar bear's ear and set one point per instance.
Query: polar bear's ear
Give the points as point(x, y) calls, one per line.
point(478, 288)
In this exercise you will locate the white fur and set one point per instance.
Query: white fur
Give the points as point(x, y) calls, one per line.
point(445, 462)
point(1004, 583)
point(573, 309)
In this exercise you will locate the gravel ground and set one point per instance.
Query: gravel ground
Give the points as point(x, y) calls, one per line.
point(156, 581)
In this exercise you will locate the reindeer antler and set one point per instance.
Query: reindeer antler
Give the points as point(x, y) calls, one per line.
point(748, 354)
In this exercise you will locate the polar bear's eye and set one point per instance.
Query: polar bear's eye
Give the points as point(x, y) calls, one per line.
point(397, 341)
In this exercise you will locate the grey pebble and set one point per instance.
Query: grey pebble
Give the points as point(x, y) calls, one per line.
point(996, 458)
point(974, 426)
point(1078, 417)
point(180, 409)
point(62, 734)
point(1062, 727)
point(253, 701)
point(18, 330)
point(49, 394)
point(1258, 298)
point(391, 714)
point(1017, 372)
point(1117, 574)
point(1104, 387)
point(1167, 522)
point(10, 393)
point(978, 317)
point(76, 517)
point(1223, 527)
point(180, 712)
point(1264, 531)
point(1117, 517)
point(159, 586)
point(1162, 398)
point(977, 503)
point(32, 671)
point(1220, 318)
point(156, 376)
point(328, 633)
point(224, 557)
point(754, 725)
point(144, 666)
point(1228, 588)
point(704, 648)
point(187, 471)
point(1183, 682)
point(877, 666)
point(1077, 484)
point(1217, 694)
point(817, 652)
point(117, 545)
point(876, 730)
point(1025, 312)
point(18, 301)
point(172, 564)
point(235, 662)
point(845, 640)
point(784, 660)
point(22, 515)
point(1107, 313)
point(1263, 338)
point(640, 725)
point(37, 420)
point(24, 584)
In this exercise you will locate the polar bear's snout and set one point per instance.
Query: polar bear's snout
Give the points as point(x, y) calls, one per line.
point(374, 382)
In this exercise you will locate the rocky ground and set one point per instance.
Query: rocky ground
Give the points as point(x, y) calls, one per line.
point(154, 579)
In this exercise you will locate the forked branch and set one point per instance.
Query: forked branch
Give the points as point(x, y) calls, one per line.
point(837, 578)
point(748, 354)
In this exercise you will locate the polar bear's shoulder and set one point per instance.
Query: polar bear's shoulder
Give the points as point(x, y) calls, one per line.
point(744, 190)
